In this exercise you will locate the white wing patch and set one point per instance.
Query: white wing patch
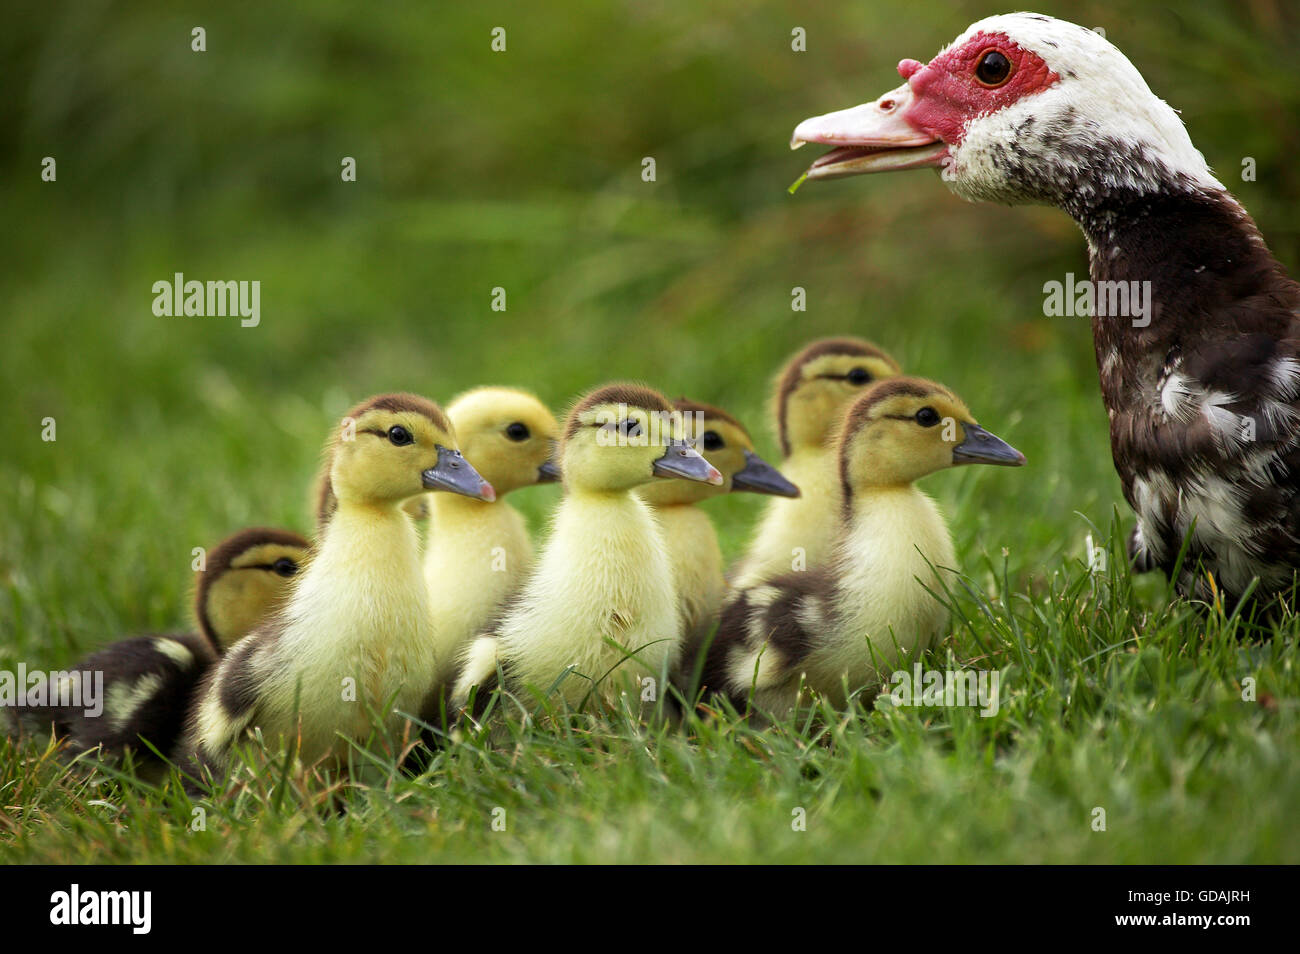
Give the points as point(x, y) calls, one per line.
point(125, 699)
point(1176, 397)
point(1226, 425)
point(1284, 378)
point(174, 651)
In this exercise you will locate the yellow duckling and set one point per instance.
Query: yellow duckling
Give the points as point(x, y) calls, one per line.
point(812, 392)
point(148, 681)
point(244, 579)
point(356, 634)
point(478, 552)
point(692, 542)
point(600, 605)
point(867, 612)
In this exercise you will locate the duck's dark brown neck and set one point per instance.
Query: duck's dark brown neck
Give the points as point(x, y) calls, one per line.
point(1210, 277)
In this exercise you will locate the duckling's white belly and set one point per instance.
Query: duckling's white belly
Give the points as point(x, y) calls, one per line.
point(603, 577)
point(796, 533)
point(358, 637)
point(884, 616)
point(476, 555)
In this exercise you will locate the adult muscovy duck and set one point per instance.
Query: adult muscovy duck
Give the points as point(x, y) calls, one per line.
point(1203, 390)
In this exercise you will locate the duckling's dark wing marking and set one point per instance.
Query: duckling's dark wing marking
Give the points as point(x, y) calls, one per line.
point(783, 619)
point(238, 683)
point(148, 684)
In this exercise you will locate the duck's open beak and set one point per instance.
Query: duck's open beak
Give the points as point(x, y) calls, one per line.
point(454, 473)
point(981, 447)
point(873, 137)
point(682, 460)
point(760, 477)
point(549, 472)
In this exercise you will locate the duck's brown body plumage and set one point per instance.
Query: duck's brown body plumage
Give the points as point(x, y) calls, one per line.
point(1204, 402)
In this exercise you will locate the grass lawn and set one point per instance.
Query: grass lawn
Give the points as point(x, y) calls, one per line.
point(522, 170)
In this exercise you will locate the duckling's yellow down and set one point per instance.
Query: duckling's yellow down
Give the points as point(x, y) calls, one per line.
point(603, 577)
point(481, 555)
point(599, 615)
point(696, 562)
point(356, 635)
point(477, 552)
point(359, 626)
point(797, 533)
point(811, 394)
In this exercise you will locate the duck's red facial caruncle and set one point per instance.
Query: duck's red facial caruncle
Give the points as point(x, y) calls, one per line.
point(921, 122)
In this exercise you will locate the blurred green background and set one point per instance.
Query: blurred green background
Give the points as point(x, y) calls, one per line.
point(522, 170)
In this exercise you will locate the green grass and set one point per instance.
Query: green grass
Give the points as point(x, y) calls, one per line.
point(523, 171)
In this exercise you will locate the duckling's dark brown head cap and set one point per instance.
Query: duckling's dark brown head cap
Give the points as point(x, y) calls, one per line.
point(710, 412)
point(861, 410)
point(403, 402)
point(227, 552)
point(617, 392)
point(792, 373)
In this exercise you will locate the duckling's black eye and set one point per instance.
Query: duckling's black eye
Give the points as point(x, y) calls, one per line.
point(284, 566)
point(517, 431)
point(400, 435)
point(858, 376)
point(927, 417)
point(713, 441)
point(629, 427)
point(993, 69)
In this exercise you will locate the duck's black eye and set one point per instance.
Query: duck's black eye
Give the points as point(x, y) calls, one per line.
point(712, 440)
point(284, 566)
point(629, 427)
point(517, 431)
point(400, 435)
point(927, 417)
point(858, 376)
point(993, 68)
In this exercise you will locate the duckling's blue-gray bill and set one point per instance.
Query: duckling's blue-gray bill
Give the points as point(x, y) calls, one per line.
point(454, 473)
point(682, 460)
point(981, 447)
point(760, 477)
point(549, 472)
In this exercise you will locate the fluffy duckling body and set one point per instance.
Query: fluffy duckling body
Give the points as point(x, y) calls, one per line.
point(603, 587)
point(356, 635)
point(479, 552)
point(149, 681)
point(688, 532)
point(812, 392)
point(866, 612)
